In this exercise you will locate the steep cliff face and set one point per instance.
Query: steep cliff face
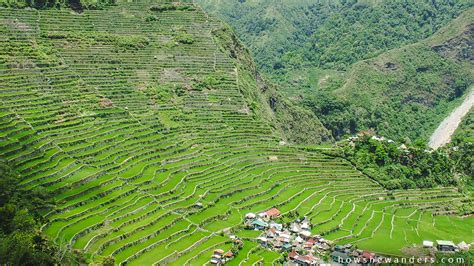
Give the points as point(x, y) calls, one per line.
point(294, 123)
point(460, 47)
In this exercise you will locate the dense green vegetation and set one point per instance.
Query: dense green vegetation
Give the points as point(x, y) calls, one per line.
point(152, 133)
point(171, 6)
point(461, 258)
point(90, 38)
point(409, 165)
point(349, 62)
point(462, 151)
point(21, 243)
point(464, 134)
point(399, 166)
point(404, 93)
point(330, 34)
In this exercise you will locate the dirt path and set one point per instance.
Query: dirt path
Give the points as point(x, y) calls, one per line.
point(442, 135)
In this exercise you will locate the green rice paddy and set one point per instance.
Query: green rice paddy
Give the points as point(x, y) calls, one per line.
point(127, 165)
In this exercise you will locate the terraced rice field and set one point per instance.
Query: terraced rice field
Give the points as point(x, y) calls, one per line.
point(127, 169)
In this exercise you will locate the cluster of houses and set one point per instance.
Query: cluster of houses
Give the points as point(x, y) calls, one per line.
point(296, 239)
point(306, 249)
point(220, 257)
point(446, 246)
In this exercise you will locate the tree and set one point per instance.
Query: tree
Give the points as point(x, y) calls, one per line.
point(21, 243)
point(108, 261)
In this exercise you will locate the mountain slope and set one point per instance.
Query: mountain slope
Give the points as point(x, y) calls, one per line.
point(152, 139)
point(311, 51)
point(296, 124)
point(408, 91)
point(462, 143)
point(330, 34)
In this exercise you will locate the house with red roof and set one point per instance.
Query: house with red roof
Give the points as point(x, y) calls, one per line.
point(309, 244)
point(273, 212)
point(368, 255)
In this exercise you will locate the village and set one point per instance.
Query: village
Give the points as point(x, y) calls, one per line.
point(303, 248)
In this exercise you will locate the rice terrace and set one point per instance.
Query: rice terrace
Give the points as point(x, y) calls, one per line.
point(155, 141)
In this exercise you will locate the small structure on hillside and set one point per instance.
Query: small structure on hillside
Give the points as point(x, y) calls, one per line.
point(308, 245)
point(445, 246)
point(271, 213)
point(368, 256)
point(273, 158)
point(219, 251)
point(403, 147)
point(216, 257)
point(276, 226)
point(305, 234)
point(263, 241)
point(292, 255)
point(287, 247)
point(464, 246)
point(339, 257)
point(295, 228)
point(250, 215)
point(228, 255)
point(427, 244)
point(259, 224)
point(307, 260)
point(305, 225)
point(215, 261)
point(378, 138)
point(220, 257)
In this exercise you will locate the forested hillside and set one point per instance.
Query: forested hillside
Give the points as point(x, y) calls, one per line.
point(362, 64)
point(21, 243)
point(462, 143)
point(330, 34)
point(406, 92)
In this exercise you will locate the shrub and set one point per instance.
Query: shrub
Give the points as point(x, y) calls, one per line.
point(169, 7)
point(208, 82)
point(399, 168)
point(184, 38)
point(151, 18)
